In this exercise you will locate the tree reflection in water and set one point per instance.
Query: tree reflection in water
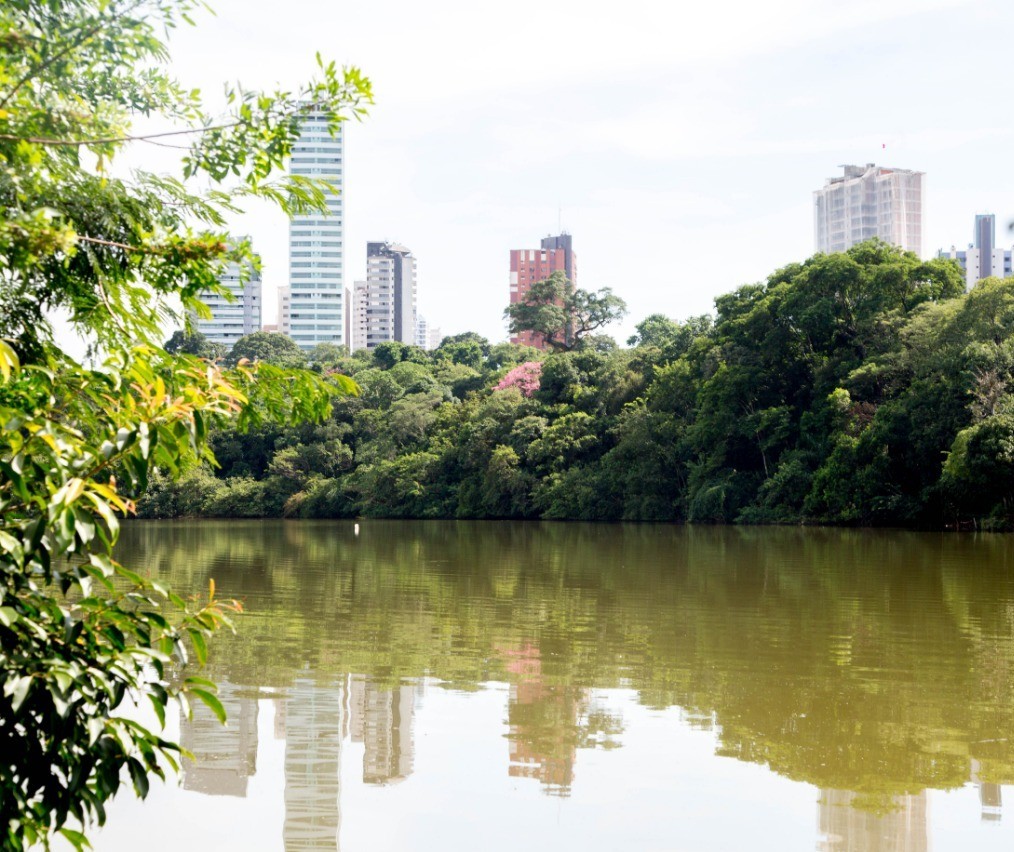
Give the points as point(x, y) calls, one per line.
point(873, 665)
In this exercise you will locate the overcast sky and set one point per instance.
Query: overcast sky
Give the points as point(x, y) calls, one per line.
point(682, 141)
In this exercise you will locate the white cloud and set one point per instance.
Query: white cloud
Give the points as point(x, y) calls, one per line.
point(441, 51)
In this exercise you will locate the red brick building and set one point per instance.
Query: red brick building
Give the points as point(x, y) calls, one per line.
point(529, 266)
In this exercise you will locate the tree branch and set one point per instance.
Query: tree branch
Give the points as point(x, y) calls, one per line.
point(82, 38)
point(42, 140)
point(110, 244)
point(146, 137)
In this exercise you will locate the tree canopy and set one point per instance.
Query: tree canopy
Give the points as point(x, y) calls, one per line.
point(194, 343)
point(562, 316)
point(857, 388)
point(269, 348)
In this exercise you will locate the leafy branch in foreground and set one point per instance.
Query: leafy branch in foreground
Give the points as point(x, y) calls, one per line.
point(84, 639)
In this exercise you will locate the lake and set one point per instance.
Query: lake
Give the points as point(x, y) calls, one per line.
point(504, 686)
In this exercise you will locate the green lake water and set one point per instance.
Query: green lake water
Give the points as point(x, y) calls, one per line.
point(530, 686)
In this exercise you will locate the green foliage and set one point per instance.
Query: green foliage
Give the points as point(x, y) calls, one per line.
point(276, 349)
point(561, 315)
point(396, 488)
point(237, 498)
point(80, 632)
point(386, 355)
point(82, 637)
point(467, 350)
point(832, 393)
point(194, 343)
point(326, 356)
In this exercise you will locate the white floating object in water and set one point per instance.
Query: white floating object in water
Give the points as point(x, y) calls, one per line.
point(356, 529)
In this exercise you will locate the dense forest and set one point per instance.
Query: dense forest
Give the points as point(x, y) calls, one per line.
point(859, 388)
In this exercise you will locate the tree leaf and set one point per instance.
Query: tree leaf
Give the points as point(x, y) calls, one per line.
point(211, 701)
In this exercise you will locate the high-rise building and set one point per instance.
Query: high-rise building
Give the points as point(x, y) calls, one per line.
point(982, 258)
point(984, 240)
point(360, 319)
point(529, 266)
point(232, 318)
point(285, 310)
point(870, 201)
point(385, 303)
point(427, 336)
point(421, 331)
point(348, 318)
point(565, 243)
point(424, 333)
point(316, 241)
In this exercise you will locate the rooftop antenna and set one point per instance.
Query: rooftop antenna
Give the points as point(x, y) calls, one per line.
point(559, 219)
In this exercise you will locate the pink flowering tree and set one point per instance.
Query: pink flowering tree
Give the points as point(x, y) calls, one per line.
point(524, 377)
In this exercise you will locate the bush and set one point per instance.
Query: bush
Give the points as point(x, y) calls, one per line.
point(241, 497)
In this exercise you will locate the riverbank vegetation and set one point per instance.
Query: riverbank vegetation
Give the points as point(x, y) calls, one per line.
point(859, 388)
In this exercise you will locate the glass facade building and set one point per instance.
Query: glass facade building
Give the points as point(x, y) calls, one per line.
point(316, 241)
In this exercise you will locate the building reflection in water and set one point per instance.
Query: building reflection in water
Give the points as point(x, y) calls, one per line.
point(846, 828)
point(542, 722)
point(314, 724)
point(382, 719)
point(990, 795)
point(313, 720)
point(224, 757)
point(991, 801)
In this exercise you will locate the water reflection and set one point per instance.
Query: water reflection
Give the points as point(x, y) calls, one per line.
point(381, 719)
point(316, 723)
point(847, 828)
point(225, 757)
point(873, 666)
point(990, 796)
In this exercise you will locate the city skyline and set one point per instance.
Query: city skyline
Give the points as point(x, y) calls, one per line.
point(983, 257)
point(699, 148)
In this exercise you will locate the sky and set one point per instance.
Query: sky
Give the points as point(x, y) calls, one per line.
point(680, 143)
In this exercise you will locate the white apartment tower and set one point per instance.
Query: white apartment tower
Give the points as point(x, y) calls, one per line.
point(285, 310)
point(360, 317)
point(427, 336)
point(870, 201)
point(422, 333)
point(237, 315)
point(316, 241)
point(385, 303)
point(349, 308)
